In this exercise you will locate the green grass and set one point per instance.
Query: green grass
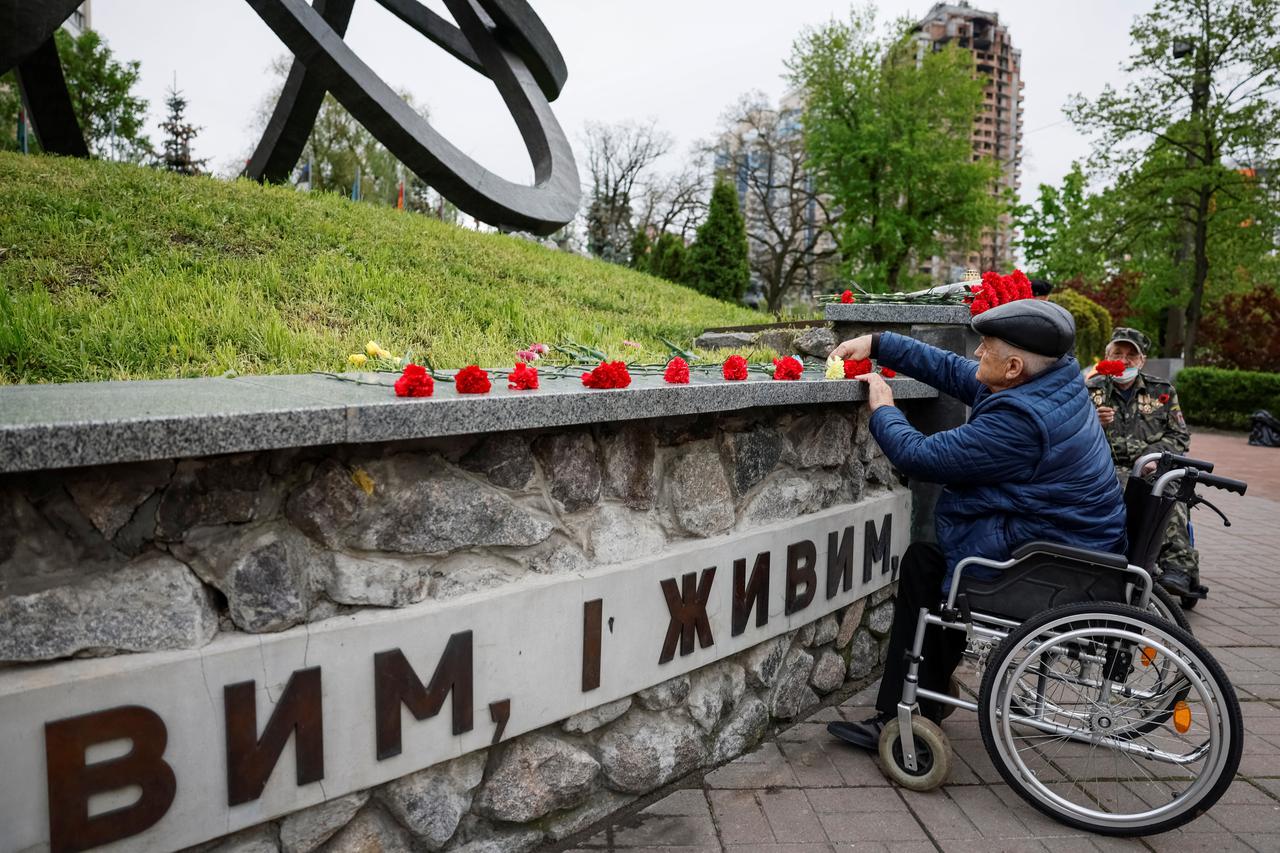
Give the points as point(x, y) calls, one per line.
point(110, 271)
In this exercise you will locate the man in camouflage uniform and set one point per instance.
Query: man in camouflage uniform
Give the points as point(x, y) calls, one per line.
point(1140, 414)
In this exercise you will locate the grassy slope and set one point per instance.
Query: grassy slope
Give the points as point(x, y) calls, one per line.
point(110, 271)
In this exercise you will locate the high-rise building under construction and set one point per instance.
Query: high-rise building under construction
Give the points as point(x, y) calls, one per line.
point(997, 128)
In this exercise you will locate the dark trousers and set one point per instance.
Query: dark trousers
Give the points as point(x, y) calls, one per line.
point(919, 585)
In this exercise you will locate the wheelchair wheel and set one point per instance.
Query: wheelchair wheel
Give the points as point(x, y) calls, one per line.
point(933, 755)
point(1163, 604)
point(1066, 716)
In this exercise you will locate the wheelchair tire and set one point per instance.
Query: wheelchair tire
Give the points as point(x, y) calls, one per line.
point(1104, 764)
point(1189, 602)
point(933, 754)
point(1165, 605)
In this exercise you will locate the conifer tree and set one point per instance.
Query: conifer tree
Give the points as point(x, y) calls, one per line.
point(177, 137)
point(717, 262)
point(640, 251)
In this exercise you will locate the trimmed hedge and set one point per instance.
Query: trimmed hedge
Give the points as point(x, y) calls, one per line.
point(1211, 396)
point(1093, 324)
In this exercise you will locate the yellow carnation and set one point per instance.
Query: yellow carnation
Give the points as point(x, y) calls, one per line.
point(835, 368)
point(357, 358)
point(376, 351)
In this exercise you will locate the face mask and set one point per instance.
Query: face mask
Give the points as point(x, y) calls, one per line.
point(1130, 374)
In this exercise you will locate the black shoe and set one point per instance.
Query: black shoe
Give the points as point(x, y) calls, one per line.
point(865, 735)
point(1175, 581)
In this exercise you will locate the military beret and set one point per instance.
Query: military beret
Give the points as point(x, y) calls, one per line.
point(1036, 326)
point(1132, 336)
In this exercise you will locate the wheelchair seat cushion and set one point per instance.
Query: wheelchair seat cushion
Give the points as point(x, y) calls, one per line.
point(1048, 574)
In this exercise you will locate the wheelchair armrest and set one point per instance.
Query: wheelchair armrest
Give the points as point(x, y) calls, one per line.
point(1070, 552)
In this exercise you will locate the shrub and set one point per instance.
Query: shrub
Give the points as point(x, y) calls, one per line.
point(669, 258)
point(1242, 330)
point(717, 261)
point(1211, 396)
point(1093, 324)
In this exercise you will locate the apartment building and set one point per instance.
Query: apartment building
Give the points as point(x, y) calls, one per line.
point(997, 129)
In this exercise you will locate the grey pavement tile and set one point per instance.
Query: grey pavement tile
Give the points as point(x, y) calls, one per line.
point(790, 816)
point(811, 764)
point(999, 845)
point(689, 801)
point(1271, 786)
point(657, 830)
point(855, 766)
point(739, 817)
point(855, 800)
point(1243, 817)
point(940, 815)
point(872, 826)
point(805, 732)
point(653, 848)
point(1262, 842)
point(1177, 841)
point(988, 812)
point(777, 848)
point(829, 714)
point(765, 766)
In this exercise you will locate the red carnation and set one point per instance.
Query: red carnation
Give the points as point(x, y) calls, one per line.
point(735, 368)
point(888, 372)
point(1022, 285)
point(677, 371)
point(1163, 398)
point(608, 374)
point(856, 367)
point(523, 378)
point(1111, 367)
point(471, 380)
point(415, 382)
point(787, 368)
point(847, 297)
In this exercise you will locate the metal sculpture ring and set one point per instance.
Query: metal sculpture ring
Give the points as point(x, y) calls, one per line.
point(502, 39)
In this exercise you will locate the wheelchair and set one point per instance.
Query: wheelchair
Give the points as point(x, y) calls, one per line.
point(1097, 705)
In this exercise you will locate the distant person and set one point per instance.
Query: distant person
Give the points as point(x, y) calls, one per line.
point(1140, 414)
point(1040, 288)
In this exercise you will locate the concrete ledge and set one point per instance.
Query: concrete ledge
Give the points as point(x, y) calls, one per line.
point(897, 313)
point(74, 424)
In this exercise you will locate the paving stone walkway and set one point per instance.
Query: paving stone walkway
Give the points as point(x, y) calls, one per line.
point(804, 791)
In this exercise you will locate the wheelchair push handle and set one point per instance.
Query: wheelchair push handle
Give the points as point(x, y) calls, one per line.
point(1230, 485)
point(1188, 462)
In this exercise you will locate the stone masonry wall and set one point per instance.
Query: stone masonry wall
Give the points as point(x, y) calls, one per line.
point(165, 555)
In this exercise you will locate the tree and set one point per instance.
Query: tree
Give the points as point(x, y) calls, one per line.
point(786, 218)
point(1192, 135)
point(640, 250)
point(618, 156)
point(717, 261)
point(677, 201)
point(670, 258)
point(1059, 230)
point(177, 137)
point(111, 117)
point(887, 125)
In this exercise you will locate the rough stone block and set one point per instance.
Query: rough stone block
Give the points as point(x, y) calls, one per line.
point(377, 580)
point(263, 570)
point(431, 802)
point(822, 440)
point(109, 495)
point(602, 804)
point(864, 654)
point(536, 775)
point(850, 619)
point(644, 751)
point(741, 731)
point(826, 629)
point(828, 672)
point(618, 534)
point(725, 340)
point(463, 574)
point(715, 691)
point(154, 603)
point(792, 695)
point(763, 661)
point(304, 831)
point(629, 457)
point(881, 619)
point(225, 490)
point(371, 831)
point(789, 495)
point(698, 491)
point(415, 504)
point(818, 342)
point(593, 718)
point(504, 458)
point(571, 468)
point(668, 694)
point(752, 455)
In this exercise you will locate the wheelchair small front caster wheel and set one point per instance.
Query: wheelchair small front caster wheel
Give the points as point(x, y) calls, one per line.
point(933, 755)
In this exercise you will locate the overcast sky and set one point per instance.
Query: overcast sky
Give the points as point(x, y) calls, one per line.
point(679, 62)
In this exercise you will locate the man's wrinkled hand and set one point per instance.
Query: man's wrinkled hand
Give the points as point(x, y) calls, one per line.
point(878, 391)
point(1106, 415)
point(1148, 468)
point(856, 348)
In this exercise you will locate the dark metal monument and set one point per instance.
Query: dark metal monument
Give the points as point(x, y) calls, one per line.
point(501, 39)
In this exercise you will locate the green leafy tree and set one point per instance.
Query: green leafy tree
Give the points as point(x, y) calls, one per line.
point(717, 263)
point(670, 258)
point(111, 116)
point(640, 250)
point(1059, 233)
point(887, 129)
point(1191, 138)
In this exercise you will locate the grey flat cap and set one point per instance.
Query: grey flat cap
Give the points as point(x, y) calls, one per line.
point(1030, 324)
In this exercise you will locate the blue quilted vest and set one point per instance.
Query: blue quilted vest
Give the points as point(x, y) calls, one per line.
point(1073, 496)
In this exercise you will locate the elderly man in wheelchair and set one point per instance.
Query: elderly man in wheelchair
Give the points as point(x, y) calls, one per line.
point(1096, 704)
